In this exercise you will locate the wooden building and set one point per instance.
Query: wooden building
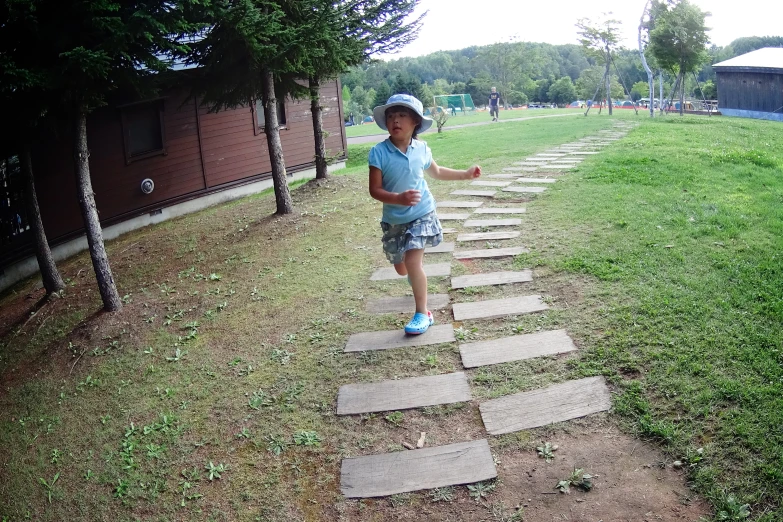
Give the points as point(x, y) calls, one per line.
point(190, 158)
point(751, 85)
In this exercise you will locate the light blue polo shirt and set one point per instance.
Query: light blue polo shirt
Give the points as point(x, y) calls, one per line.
point(403, 172)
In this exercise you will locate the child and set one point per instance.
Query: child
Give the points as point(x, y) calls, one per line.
point(409, 221)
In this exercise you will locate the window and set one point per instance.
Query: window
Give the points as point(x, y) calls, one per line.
point(142, 127)
point(260, 123)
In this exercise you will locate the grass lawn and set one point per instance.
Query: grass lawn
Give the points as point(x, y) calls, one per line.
point(368, 129)
point(211, 395)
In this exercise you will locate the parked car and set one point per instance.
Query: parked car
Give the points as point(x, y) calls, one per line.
point(578, 104)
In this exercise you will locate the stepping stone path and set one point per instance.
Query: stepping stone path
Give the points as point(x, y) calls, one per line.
point(498, 308)
point(459, 204)
point(403, 394)
point(490, 253)
point(444, 246)
point(493, 278)
point(446, 217)
point(491, 183)
point(472, 461)
point(389, 305)
point(533, 190)
point(492, 222)
point(483, 193)
point(435, 270)
point(519, 210)
point(561, 402)
point(426, 468)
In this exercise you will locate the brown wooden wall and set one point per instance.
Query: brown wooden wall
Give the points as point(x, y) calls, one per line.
point(750, 91)
point(204, 152)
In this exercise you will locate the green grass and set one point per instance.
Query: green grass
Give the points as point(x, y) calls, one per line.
point(368, 129)
point(661, 257)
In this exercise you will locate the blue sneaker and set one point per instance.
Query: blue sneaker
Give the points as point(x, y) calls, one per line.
point(419, 324)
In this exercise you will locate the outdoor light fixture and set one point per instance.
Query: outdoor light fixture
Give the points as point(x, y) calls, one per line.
point(147, 186)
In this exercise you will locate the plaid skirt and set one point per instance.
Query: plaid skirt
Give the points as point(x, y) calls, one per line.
point(418, 234)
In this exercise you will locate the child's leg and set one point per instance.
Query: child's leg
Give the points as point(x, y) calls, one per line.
point(400, 268)
point(413, 264)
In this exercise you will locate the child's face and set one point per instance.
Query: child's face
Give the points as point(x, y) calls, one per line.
point(401, 122)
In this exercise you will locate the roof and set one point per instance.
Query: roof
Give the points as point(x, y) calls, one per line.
point(767, 58)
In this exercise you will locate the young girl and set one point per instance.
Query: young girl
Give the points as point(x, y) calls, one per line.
point(409, 221)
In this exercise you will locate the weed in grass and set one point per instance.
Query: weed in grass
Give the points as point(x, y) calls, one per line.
point(445, 494)
point(731, 510)
point(469, 290)
point(281, 356)
point(178, 355)
point(243, 434)
point(307, 438)
point(547, 451)
point(276, 444)
point(578, 479)
point(400, 499)
point(213, 471)
point(121, 489)
point(502, 513)
point(395, 418)
point(480, 490)
point(56, 456)
point(430, 360)
point(49, 486)
point(463, 334)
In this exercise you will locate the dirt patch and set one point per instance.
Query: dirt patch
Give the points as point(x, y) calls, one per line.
point(632, 482)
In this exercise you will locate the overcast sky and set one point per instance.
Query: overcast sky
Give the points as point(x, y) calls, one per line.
point(456, 24)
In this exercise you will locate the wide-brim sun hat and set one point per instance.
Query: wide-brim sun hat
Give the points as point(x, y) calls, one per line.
point(406, 100)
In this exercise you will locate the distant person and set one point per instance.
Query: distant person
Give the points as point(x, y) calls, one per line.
point(494, 98)
point(350, 119)
point(409, 222)
point(453, 111)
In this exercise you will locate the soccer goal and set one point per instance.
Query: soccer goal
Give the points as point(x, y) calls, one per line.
point(454, 103)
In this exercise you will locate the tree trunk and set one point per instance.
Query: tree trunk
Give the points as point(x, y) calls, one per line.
point(92, 225)
point(318, 128)
point(608, 86)
point(282, 195)
point(660, 88)
point(682, 92)
point(52, 280)
point(650, 77)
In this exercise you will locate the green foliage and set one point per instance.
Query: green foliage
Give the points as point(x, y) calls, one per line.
point(678, 35)
point(480, 490)
point(578, 479)
point(307, 438)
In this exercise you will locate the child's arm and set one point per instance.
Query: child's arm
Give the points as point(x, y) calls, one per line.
point(447, 174)
point(407, 198)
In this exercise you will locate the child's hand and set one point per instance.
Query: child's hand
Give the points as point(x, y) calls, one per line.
point(409, 198)
point(474, 172)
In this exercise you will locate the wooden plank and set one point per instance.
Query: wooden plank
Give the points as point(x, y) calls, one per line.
point(527, 163)
point(507, 210)
point(530, 190)
point(480, 183)
point(567, 160)
point(426, 468)
point(491, 278)
point(444, 246)
point(558, 403)
point(459, 204)
point(515, 348)
point(557, 167)
point(487, 236)
point(536, 180)
point(446, 216)
point(583, 153)
point(537, 160)
point(510, 222)
point(498, 308)
point(490, 252)
point(446, 230)
point(387, 340)
point(403, 394)
point(502, 176)
point(432, 270)
point(550, 155)
point(484, 193)
point(388, 305)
